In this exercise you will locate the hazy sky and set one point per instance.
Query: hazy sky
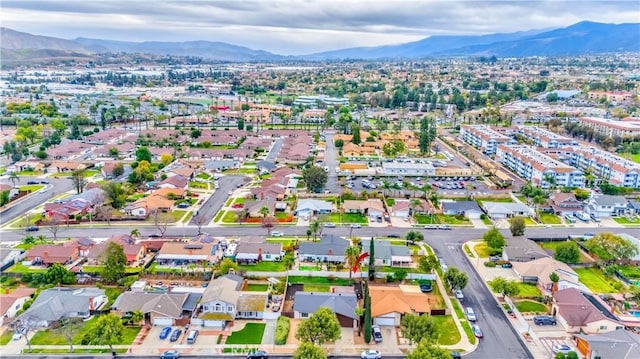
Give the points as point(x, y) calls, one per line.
point(300, 26)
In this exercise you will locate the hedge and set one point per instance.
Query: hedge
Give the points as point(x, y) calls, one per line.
point(282, 330)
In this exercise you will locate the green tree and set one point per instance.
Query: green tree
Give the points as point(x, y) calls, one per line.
point(315, 178)
point(309, 351)
point(367, 314)
point(567, 252)
point(427, 134)
point(195, 133)
point(143, 154)
point(426, 350)
point(115, 194)
point(494, 239)
point(240, 124)
point(226, 265)
point(455, 278)
point(372, 260)
point(5, 197)
point(517, 226)
point(509, 288)
point(417, 327)
point(264, 211)
point(321, 327)
point(427, 263)
point(339, 143)
point(356, 135)
point(113, 261)
point(78, 179)
point(70, 327)
point(315, 226)
point(609, 246)
point(113, 152)
point(108, 330)
point(137, 317)
point(58, 274)
point(414, 236)
point(118, 170)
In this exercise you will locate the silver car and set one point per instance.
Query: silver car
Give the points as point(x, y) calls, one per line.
point(370, 354)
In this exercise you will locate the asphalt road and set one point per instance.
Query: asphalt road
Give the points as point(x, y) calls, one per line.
point(274, 151)
point(331, 161)
point(213, 204)
point(22, 206)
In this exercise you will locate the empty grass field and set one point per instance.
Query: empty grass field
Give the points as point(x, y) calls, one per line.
point(529, 306)
point(448, 333)
point(595, 280)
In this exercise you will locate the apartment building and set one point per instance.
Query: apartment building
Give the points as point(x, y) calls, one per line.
point(627, 127)
point(608, 166)
point(484, 138)
point(611, 96)
point(312, 101)
point(538, 168)
point(544, 138)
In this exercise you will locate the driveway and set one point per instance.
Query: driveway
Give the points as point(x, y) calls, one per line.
point(213, 204)
point(274, 151)
point(331, 161)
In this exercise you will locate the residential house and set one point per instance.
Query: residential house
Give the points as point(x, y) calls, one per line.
point(634, 206)
point(330, 249)
point(522, 250)
point(64, 166)
point(401, 209)
point(343, 304)
point(9, 256)
point(390, 303)
point(607, 206)
point(68, 150)
point(538, 271)
point(53, 304)
point(469, 209)
point(424, 208)
point(373, 207)
point(581, 312)
point(12, 302)
point(309, 207)
point(497, 210)
point(617, 344)
point(387, 254)
point(146, 206)
point(134, 252)
point(220, 165)
point(164, 309)
point(184, 253)
point(48, 254)
point(177, 181)
point(223, 301)
point(564, 203)
point(265, 166)
point(253, 207)
point(249, 252)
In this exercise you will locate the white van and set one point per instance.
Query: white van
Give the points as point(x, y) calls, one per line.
point(193, 335)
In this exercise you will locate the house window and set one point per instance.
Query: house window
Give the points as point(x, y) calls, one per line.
point(304, 315)
point(229, 309)
point(603, 327)
point(218, 308)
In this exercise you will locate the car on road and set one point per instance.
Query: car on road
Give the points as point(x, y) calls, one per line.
point(459, 294)
point(562, 348)
point(170, 354)
point(444, 227)
point(431, 226)
point(258, 354)
point(33, 182)
point(175, 335)
point(165, 332)
point(355, 225)
point(370, 354)
point(456, 355)
point(277, 234)
point(426, 286)
point(18, 334)
point(377, 334)
point(330, 225)
point(544, 320)
point(471, 315)
point(476, 331)
point(230, 193)
point(44, 182)
point(154, 235)
point(32, 229)
point(393, 236)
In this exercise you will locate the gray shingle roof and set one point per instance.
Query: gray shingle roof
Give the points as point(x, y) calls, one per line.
point(619, 344)
point(339, 303)
point(461, 206)
point(606, 200)
point(385, 250)
point(55, 303)
point(328, 244)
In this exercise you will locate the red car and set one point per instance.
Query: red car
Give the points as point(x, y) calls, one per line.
point(237, 205)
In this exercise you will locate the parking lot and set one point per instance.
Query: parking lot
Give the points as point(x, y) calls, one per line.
point(462, 185)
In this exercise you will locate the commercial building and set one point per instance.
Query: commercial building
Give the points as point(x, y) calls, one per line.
point(538, 168)
point(627, 127)
point(484, 138)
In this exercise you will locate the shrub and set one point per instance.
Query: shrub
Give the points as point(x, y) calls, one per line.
point(282, 330)
point(490, 264)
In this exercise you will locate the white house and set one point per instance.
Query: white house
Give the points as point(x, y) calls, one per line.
point(505, 210)
point(608, 206)
point(309, 206)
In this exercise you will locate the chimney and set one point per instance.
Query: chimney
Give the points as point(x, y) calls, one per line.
point(45, 254)
point(91, 307)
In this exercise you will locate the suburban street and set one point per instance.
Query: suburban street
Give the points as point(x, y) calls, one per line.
point(213, 204)
point(274, 151)
point(209, 356)
point(24, 205)
point(330, 158)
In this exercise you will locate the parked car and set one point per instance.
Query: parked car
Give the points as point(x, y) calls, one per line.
point(377, 334)
point(471, 315)
point(459, 294)
point(175, 335)
point(595, 217)
point(259, 354)
point(355, 225)
point(393, 236)
point(170, 354)
point(426, 286)
point(32, 229)
point(562, 348)
point(330, 225)
point(165, 332)
point(544, 320)
point(18, 334)
point(430, 226)
point(277, 234)
point(370, 354)
point(154, 235)
point(33, 182)
point(444, 226)
point(569, 218)
point(456, 355)
point(476, 331)
point(44, 182)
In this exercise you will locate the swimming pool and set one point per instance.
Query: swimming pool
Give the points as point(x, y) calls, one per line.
point(635, 313)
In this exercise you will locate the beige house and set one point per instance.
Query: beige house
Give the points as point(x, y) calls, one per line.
point(538, 271)
point(581, 312)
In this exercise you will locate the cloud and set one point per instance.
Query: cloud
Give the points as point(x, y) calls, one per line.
point(300, 26)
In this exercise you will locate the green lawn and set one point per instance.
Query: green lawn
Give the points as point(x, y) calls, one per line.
point(239, 200)
point(631, 272)
point(496, 199)
point(56, 337)
point(554, 245)
point(317, 288)
point(251, 334)
point(251, 287)
point(346, 218)
point(448, 333)
point(98, 269)
point(529, 222)
point(487, 221)
point(319, 280)
point(468, 251)
point(595, 280)
point(203, 175)
point(528, 290)
point(308, 268)
point(30, 188)
point(636, 158)
point(229, 217)
point(391, 201)
point(548, 218)
point(177, 214)
point(20, 268)
point(528, 306)
point(467, 330)
point(75, 351)
point(219, 215)
point(626, 222)
point(441, 219)
point(265, 266)
point(6, 337)
point(285, 242)
point(456, 308)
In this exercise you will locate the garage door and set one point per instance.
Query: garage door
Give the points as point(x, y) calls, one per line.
point(385, 321)
point(163, 321)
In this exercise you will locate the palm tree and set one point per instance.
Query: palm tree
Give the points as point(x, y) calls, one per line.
point(264, 211)
point(413, 204)
point(314, 226)
point(137, 316)
point(351, 254)
point(135, 233)
point(13, 177)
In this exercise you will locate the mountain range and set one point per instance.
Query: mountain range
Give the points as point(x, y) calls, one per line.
point(579, 39)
